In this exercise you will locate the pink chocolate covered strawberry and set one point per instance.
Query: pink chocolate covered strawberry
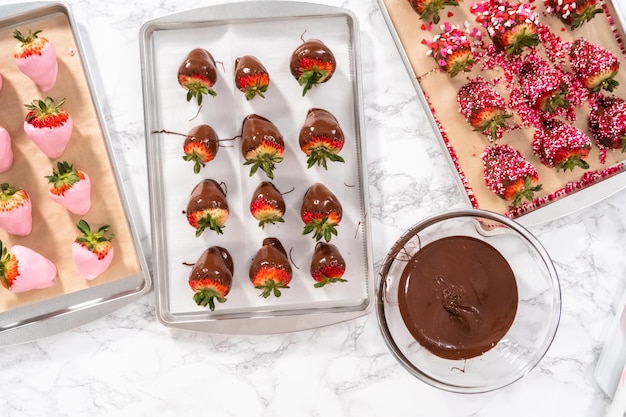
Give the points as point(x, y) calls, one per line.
point(211, 278)
point(23, 269)
point(607, 122)
point(484, 108)
point(15, 210)
point(594, 66)
point(71, 188)
point(92, 252)
point(36, 57)
point(270, 270)
point(48, 126)
point(509, 175)
point(327, 265)
point(573, 13)
point(561, 145)
point(6, 150)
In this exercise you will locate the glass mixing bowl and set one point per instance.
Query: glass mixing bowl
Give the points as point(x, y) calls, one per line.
point(536, 318)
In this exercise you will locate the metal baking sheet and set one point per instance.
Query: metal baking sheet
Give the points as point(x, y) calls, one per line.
point(270, 30)
point(73, 300)
point(562, 194)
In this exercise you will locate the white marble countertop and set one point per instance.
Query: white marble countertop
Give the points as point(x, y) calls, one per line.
point(129, 364)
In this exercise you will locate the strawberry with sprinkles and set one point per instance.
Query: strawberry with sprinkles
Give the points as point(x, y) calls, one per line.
point(607, 122)
point(454, 50)
point(573, 13)
point(560, 145)
point(594, 66)
point(484, 108)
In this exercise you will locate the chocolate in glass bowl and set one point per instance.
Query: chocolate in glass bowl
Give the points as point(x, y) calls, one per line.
point(508, 353)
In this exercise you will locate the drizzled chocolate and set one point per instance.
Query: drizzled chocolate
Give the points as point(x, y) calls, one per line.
point(257, 129)
point(458, 297)
point(207, 194)
point(321, 123)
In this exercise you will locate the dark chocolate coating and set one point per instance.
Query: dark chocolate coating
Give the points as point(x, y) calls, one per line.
point(206, 194)
point(215, 264)
point(271, 254)
point(320, 122)
point(199, 62)
point(268, 192)
point(255, 129)
point(315, 49)
point(319, 199)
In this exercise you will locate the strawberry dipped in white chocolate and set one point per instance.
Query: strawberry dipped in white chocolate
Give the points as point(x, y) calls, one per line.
point(36, 57)
point(23, 269)
point(49, 126)
point(15, 210)
point(6, 152)
point(71, 188)
point(92, 252)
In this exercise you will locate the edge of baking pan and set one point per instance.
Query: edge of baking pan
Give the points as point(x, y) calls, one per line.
point(69, 311)
point(259, 323)
point(584, 198)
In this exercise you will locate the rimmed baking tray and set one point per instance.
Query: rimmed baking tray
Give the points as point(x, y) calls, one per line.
point(271, 31)
point(73, 300)
point(562, 193)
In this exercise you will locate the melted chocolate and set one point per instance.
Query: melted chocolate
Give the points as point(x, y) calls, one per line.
point(199, 62)
point(271, 254)
point(256, 129)
point(458, 297)
point(318, 123)
point(248, 65)
point(312, 49)
point(206, 194)
point(319, 199)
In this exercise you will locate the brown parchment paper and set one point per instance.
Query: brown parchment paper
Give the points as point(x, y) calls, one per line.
point(54, 228)
point(465, 144)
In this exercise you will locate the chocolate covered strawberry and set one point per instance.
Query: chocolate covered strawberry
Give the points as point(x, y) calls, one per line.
point(573, 13)
point(594, 66)
point(49, 126)
point(36, 57)
point(484, 108)
point(207, 207)
point(70, 187)
point(312, 63)
point(6, 150)
point(267, 204)
point(607, 122)
point(270, 270)
point(327, 265)
point(321, 212)
point(429, 9)
point(212, 277)
point(321, 138)
point(560, 145)
point(509, 175)
point(200, 146)
point(23, 269)
point(262, 144)
point(453, 50)
point(251, 77)
point(512, 27)
point(197, 74)
point(15, 210)
point(544, 87)
point(92, 252)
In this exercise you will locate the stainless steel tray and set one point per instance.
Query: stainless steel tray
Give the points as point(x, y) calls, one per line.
point(572, 192)
point(270, 30)
point(73, 300)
